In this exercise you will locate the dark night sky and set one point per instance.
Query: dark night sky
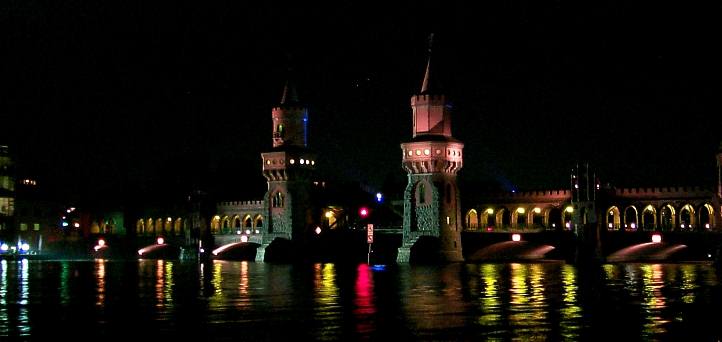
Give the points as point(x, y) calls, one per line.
point(141, 98)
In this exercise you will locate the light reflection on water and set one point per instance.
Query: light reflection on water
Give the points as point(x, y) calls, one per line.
point(325, 301)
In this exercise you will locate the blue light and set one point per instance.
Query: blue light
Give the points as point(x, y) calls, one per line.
point(379, 197)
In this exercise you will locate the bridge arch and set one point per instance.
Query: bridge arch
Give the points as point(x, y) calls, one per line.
point(503, 218)
point(567, 217)
point(236, 222)
point(705, 216)
point(215, 224)
point(686, 217)
point(226, 225)
point(554, 218)
point(535, 218)
point(613, 218)
point(140, 227)
point(518, 218)
point(667, 218)
point(168, 224)
point(258, 222)
point(158, 226)
point(178, 226)
point(649, 218)
point(487, 218)
point(149, 227)
point(631, 217)
point(472, 220)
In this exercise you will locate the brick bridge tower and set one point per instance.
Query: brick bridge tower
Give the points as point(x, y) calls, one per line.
point(288, 169)
point(432, 217)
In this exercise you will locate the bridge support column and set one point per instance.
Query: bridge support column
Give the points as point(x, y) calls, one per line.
point(261, 252)
point(404, 254)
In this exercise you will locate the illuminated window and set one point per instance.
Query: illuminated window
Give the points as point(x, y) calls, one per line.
point(411, 153)
point(23, 227)
point(277, 201)
point(36, 226)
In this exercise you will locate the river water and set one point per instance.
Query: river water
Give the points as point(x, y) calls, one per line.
point(248, 301)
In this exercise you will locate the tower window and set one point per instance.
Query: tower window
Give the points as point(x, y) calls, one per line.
point(277, 201)
point(422, 193)
point(280, 130)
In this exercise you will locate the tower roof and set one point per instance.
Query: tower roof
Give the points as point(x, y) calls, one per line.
point(429, 85)
point(290, 95)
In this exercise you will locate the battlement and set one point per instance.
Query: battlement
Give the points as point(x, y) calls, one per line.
point(665, 192)
point(241, 204)
point(428, 98)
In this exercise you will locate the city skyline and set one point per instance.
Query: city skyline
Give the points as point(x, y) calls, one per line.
point(105, 98)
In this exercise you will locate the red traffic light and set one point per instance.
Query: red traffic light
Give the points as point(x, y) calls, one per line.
point(363, 212)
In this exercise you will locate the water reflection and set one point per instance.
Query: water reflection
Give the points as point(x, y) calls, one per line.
point(4, 317)
point(365, 307)
point(571, 312)
point(260, 301)
point(326, 308)
point(100, 280)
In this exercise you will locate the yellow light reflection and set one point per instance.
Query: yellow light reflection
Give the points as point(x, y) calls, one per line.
point(571, 312)
point(490, 308)
point(326, 300)
point(689, 283)
point(100, 280)
point(653, 300)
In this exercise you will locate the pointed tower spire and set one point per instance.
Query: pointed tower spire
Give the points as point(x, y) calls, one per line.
point(426, 85)
point(290, 95)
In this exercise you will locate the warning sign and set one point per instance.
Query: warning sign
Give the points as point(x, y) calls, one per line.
point(370, 233)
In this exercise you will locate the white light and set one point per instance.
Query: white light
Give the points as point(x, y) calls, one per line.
point(569, 225)
point(554, 225)
point(244, 238)
point(706, 225)
point(76, 225)
point(4, 247)
point(313, 162)
point(203, 250)
point(515, 237)
point(160, 240)
point(292, 161)
point(489, 211)
point(656, 238)
point(634, 225)
point(248, 231)
point(65, 224)
point(101, 242)
point(427, 152)
point(96, 248)
point(610, 225)
point(238, 232)
point(302, 161)
point(537, 210)
point(25, 247)
point(318, 230)
point(569, 209)
point(682, 225)
point(257, 231)
point(140, 252)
